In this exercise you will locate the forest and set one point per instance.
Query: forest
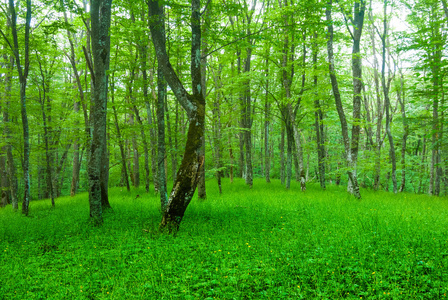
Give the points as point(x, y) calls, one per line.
point(308, 140)
point(141, 93)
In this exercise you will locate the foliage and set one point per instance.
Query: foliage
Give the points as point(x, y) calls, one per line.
point(266, 242)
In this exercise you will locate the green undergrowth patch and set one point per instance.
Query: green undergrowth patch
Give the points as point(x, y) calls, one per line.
point(259, 243)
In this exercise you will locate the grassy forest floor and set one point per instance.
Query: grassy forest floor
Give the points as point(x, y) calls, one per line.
point(264, 243)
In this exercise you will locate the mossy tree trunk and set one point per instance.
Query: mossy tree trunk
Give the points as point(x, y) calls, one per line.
point(194, 104)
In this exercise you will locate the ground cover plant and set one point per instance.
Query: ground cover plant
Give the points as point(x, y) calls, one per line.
point(259, 243)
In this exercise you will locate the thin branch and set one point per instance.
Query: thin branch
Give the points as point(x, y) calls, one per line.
point(234, 41)
point(205, 8)
point(89, 63)
point(7, 41)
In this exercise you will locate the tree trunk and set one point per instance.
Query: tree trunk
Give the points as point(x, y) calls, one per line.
point(217, 127)
point(232, 158)
point(202, 192)
point(4, 184)
point(119, 137)
point(135, 154)
point(267, 112)
point(303, 177)
point(351, 149)
point(282, 154)
point(152, 131)
point(386, 88)
point(100, 14)
point(161, 151)
point(10, 166)
point(188, 174)
point(319, 121)
point(401, 100)
point(48, 158)
point(23, 76)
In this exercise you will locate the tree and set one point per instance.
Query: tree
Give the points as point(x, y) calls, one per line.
point(194, 105)
point(100, 16)
point(22, 66)
point(351, 148)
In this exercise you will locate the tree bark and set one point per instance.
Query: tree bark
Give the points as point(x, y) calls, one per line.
point(10, 166)
point(267, 112)
point(100, 15)
point(401, 100)
point(23, 69)
point(119, 137)
point(48, 157)
point(282, 154)
point(161, 150)
point(386, 88)
point(379, 110)
point(194, 104)
point(319, 121)
point(351, 148)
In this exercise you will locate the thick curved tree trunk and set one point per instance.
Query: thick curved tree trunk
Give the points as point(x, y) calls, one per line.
point(194, 104)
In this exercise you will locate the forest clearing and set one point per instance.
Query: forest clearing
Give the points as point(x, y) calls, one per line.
point(259, 243)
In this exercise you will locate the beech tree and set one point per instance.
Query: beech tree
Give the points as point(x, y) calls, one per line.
point(351, 147)
point(22, 62)
point(100, 15)
point(194, 105)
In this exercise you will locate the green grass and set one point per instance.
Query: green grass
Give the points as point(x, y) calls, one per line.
point(264, 243)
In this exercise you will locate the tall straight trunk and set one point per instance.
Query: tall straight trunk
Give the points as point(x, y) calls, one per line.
point(351, 148)
point(143, 55)
point(194, 104)
point(76, 107)
point(386, 88)
point(58, 172)
point(248, 121)
point(100, 15)
point(202, 192)
point(42, 99)
point(318, 121)
point(4, 184)
point(422, 165)
point(119, 137)
point(152, 131)
point(379, 110)
point(11, 169)
point(170, 141)
point(436, 57)
point(303, 176)
point(217, 128)
point(242, 164)
point(267, 154)
point(76, 157)
point(23, 68)
point(282, 154)
point(135, 156)
point(401, 100)
point(145, 146)
point(232, 158)
point(161, 150)
point(289, 144)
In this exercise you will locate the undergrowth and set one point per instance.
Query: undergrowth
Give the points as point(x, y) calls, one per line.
point(259, 243)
